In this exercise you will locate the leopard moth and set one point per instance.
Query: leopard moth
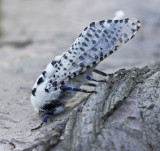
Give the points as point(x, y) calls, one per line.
point(96, 42)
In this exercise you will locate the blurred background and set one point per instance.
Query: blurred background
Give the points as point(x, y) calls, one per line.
point(33, 32)
point(47, 28)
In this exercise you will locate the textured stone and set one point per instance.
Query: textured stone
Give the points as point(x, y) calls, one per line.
point(123, 115)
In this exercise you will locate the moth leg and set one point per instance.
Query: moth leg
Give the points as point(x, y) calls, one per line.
point(109, 75)
point(47, 113)
point(64, 88)
point(102, 73)
point(91, 79)
point(121, 71)
point(90, 84)
point(42, 111)
point(46, 116)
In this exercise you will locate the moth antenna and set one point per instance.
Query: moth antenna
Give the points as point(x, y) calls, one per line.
point(33, 129)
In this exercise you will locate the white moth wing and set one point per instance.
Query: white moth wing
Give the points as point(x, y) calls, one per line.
point(96, 42)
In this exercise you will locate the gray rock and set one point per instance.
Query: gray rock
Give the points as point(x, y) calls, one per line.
point(123, 115)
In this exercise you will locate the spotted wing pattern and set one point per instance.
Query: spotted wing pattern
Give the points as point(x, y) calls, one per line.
point(96, 42)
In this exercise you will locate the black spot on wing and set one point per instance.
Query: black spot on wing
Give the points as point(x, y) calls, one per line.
point(92, 24)
point(89, 35)
point(138, 27)
point(70, 51)
point(125, 35)
point(46, 90)
point(95, 57)
point(53, 62)
point(54, 83)
point(105, 31)
point(99, 31)
point(101, 22)
point(110, 52)
point(44, 73)
point(84, 44)
point(112, 32)
point(85, 54)
point(80, 35)
point(92, 29)
point(94, 62)
point(74, 74)
point(138, 21)
point(126, 20)
point(81, 49)
point(116, 47)
point(120, 40)
point(81, 65)
point(114, 39)
point(71, 60)
point(65, 56)
point(105, 55)
point(101, 56)
point(61, 64)
point(85, 28)
point(34, 91)
point(109, 36)
point(69, 77)
point(88, 67)
point(93, 41)
point(62, 83)
point(81, 58)
point(106, 40)
point(133, 30)
point(97, 35)
point(103, 35)
point(40, 80)
point(86, 39)
point(93, 49)
point(109, 21)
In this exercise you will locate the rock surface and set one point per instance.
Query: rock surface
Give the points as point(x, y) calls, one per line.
point(123, 115)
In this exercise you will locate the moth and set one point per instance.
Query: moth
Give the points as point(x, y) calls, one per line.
point(67, 72)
